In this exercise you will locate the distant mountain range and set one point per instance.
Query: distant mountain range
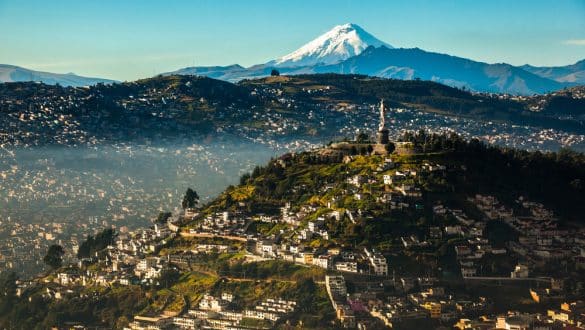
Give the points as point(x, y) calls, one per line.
point(449, 70)
point(349, 49)
point(574, 73)
point(12, 73)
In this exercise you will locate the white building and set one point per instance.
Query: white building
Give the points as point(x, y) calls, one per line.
point(346, 266)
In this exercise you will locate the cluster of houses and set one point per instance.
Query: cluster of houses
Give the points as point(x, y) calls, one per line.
point(537, 234)
point(337, 292)
point(427, 303)
point(343, 260)
point(404, 192)
point(420, 298)
point(217, 312)
point(25, 245)
point(129, 261)
point(41, 114)
point(223, 223)
point(541, 239)
point(472, 245)
point(569, 315)
point(538, 102)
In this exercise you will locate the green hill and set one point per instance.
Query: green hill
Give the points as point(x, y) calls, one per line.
point(388, 203)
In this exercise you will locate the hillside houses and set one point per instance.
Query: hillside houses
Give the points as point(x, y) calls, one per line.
point(216, 312)
point(128, 261)
point(539, 235)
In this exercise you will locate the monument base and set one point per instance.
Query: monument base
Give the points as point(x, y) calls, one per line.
point(380, 149)
point(382, 137)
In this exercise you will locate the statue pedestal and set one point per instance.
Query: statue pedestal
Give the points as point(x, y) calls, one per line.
point(382, 137)
point(380, 149)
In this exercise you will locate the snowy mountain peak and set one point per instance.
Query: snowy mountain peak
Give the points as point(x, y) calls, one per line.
point(336, 45)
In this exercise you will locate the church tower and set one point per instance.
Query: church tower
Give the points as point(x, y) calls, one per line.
point(382, 135)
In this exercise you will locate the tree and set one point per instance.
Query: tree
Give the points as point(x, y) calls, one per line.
point(7, 284)
point(244, 179)
point(191, 199)
point(362, 138)
point(168, 277)
point(54, 256)
point(7, 291)
point(163, 217)
point(93, 244)
point(274, 73)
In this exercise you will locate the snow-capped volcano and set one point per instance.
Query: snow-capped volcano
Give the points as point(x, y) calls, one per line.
point(338, 44)
point(349, 49)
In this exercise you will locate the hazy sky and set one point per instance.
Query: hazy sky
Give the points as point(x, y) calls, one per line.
point(131, 39)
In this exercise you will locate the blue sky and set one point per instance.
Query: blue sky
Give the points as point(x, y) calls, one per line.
point(131, 39)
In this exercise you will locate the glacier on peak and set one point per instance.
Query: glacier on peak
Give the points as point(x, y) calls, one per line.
point(334, 46)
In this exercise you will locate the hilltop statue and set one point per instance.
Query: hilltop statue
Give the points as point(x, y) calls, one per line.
point(382, 135)
point(382, 124)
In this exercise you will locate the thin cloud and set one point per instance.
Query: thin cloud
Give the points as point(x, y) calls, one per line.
point(575, 42)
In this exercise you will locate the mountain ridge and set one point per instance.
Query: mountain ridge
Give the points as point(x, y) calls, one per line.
point(14, 73)
point(574, 73)
point(349, 49)
point(382, 60)
point(446, 69)
point(301, 106)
